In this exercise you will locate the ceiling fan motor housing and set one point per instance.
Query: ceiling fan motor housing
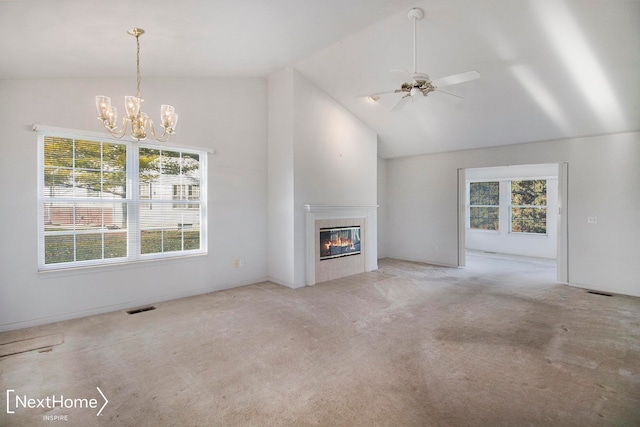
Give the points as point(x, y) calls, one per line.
point(424, 86)
point(415, 13)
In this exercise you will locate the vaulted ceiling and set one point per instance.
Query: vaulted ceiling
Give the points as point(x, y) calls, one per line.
point(549, 69)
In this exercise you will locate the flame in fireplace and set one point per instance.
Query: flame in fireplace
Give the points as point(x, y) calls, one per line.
point(339, 242)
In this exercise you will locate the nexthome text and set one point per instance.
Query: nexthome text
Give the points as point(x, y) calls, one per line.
point(51, 402)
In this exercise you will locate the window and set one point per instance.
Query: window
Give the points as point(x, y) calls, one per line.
point(188, 192)
point(103, 202)
point(167, 222)
point(145, 190)
point(484, 201)
point(529, 206)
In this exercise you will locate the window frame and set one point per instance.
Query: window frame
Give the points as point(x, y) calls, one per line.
point(132, 201)
point(469, 206)
point(545, 207)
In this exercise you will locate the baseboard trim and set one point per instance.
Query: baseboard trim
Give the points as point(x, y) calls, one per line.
point(607, 290)
point(285, 283)
point(423, 261)
point(123, 306)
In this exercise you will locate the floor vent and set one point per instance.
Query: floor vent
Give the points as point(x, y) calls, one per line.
point(141, 310)
point(604, 294)
point(45, 343)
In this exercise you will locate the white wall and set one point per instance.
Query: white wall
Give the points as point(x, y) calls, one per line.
point(280, 178)
point(503, 240)
point(603, 182)
point(228, 115)
point(335, 159)
point(382, 208)
point(334, 162)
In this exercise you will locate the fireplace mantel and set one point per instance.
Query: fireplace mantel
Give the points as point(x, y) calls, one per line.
point(339, 208)
point(326, 212)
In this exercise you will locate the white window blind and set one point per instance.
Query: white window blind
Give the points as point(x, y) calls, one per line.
point(104, 201)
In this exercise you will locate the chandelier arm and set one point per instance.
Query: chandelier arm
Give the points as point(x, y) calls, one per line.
point(115, 133)
point(153, 132)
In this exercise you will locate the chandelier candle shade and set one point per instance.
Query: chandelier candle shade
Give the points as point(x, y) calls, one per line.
point(139, 121)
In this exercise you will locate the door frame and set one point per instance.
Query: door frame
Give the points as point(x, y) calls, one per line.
point(562, 257)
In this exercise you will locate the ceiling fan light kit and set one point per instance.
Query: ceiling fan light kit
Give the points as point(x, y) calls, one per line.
point(140, 122)
point(420, 83)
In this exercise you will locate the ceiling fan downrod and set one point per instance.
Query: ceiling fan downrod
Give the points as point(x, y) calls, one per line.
point(414, 15)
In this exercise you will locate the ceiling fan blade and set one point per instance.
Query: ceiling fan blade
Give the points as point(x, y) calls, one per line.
point(378, 94)
point(402, 75)
point(456, 79)
point(400, 102)
point(449, 93)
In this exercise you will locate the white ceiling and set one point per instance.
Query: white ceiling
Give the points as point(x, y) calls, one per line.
point(549, 69)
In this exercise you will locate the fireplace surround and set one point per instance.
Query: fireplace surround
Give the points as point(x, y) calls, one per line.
point(361, 217)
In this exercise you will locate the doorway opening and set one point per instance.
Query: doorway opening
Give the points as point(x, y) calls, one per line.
point(514, 212)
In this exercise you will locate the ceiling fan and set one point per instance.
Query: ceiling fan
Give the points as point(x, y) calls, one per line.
point(420, 83)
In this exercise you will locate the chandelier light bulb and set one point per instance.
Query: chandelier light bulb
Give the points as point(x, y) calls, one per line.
point(166, 111)
point(135, 118)
point(102, 104)
point(173, 122)
point(168, 117)
point(132, 104)
point(112, 116)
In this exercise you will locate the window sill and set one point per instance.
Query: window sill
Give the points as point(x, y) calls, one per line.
point(478, 230)
point(125, 265)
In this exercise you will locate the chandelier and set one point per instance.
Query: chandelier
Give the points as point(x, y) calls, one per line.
point(138, 120)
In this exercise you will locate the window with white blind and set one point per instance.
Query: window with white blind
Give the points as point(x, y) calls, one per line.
point(104, 202)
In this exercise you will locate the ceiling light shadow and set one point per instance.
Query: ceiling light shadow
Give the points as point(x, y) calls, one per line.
point(579, 59)
point(538, 91)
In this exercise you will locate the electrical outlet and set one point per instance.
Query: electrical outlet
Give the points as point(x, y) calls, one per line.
point(592, 220)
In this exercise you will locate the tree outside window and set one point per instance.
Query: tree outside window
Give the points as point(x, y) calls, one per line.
point(484, 201)
point(529, 206)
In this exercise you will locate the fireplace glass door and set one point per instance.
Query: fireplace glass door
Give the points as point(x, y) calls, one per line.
point(339, 241)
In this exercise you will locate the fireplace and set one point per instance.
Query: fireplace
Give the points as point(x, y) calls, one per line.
point(354, 252)
point(339, 242)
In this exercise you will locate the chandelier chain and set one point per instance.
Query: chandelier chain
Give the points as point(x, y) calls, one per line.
point(138, 78)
